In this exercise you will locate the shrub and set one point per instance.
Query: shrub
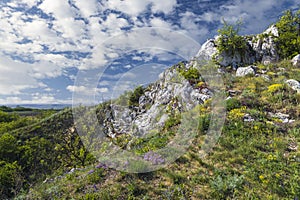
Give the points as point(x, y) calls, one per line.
point(232, 104)
point(10, 179)
point(225, 186)
point(230, 41)
point(135, 96)
point(288, 42)
point(5, 117)
point(191, 74)
point(95, 176)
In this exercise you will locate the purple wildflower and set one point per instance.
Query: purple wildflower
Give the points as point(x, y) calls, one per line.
point(154, 158)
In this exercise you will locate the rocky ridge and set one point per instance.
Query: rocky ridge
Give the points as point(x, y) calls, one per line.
point(173, 93)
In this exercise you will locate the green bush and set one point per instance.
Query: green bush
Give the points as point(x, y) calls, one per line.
point(288, 42)
point(232, 104)
point(6, 117)
point(191, 74)
point(8, 148)
point(95, 176)
point(135, 96)
point(224, 186)
point(10, 179)
point(230, 41)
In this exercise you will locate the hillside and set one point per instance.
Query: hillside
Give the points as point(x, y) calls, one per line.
point(257, 155)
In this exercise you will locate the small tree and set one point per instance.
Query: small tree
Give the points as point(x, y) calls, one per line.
point(288, 42)
point(135, 96)
point(10, 179)
point(230, 41)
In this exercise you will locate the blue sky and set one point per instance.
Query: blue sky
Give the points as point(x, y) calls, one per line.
point(96, 49)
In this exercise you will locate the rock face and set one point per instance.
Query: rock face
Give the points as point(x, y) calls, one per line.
point(170, 94)
point(244, 71)
point(295, 85)
point(260, 48)
point(296, 61)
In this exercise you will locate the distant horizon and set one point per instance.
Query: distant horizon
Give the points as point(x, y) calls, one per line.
point(38, 106)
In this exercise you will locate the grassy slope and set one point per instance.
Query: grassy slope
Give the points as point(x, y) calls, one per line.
point(252, 160)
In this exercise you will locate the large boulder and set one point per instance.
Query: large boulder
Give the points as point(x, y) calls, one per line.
point(244, 71)
point(295, 85)
point(296, 61)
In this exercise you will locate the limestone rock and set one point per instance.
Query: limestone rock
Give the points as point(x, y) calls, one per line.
point(295, 85)
point(208, 49)
point(244, 71)
point(296, 61)
point(259, 49)
point(170, 94)
point(265, 47)
point(272, 30)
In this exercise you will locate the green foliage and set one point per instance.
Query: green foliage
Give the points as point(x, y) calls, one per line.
point(6, 109)
point(10, 179)
point(204, 122)
point(177, 192)
point(230, 41)
point(7, 117)
point(172, 121)
point(192, 74)
point(8, 148)
point(135, 96)
point(232, 103)
point(95, 176)
point(288, 42)
point(224, 186)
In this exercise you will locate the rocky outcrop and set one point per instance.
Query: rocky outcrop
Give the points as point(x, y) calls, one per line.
point(259, 48)
point(171, 94)
point(296, 61)
point(244, 71)
point(265, 46)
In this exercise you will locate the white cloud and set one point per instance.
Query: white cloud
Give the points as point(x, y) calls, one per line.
point(83, 90)
point(113, 23)
point(103, 36)
point(87, 7)
point(29, 3)
point(136, 7)
point(132, 7)
point(158, 22)
point(60, 9)
point(166, 6)
point(13, 81)
point(252, 13)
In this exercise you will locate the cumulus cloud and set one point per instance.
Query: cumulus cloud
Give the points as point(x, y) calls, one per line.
point(87, 7)
point(256, 15)
point(13, 81)
point(86, 90)
point(88, 34)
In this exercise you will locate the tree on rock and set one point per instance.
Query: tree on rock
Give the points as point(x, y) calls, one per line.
point(288, 42)
point(230, 42)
